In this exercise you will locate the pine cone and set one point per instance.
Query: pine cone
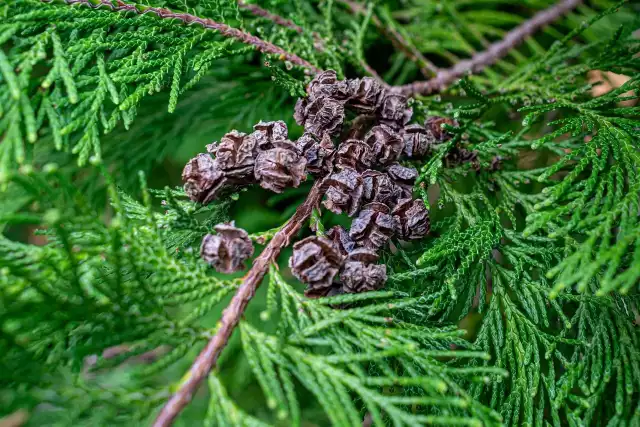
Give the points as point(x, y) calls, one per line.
point(380, 187)
point(327, 85)
point(280, 167)
point(365, 94)
point(265, 133)
point(418, 142)
point(341, 239)
point(315, 262)
point(344, 192)
point(354, 154)
point(373, 227)
point(434, 126)
point(321, 115)
point(236, 156)
point(202, 179)
point(360, 274)
point(227, 250)
point(394, 111)
point(386, 144)
point(403, 177)
point(412, 218)
point(319, 154)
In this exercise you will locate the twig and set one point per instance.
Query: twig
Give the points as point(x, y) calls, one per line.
point(279, 20)
point(15, 419)
point(276, 19)
point(427, 68)
point(493, 53)
point(207, 358)
point(227, 31)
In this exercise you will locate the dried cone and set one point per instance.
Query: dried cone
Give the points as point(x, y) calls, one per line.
point(418, 142)
point(365, 94)
point(341, 239)
point(380, 187)
point(318, 153)
point(266, 133)
point(412, 218)
point(227, 250)
point(385, 143)
point(344, 192)
point(373, 227)
point(202, 179)
point(327, 85)
point(236, 156)
point(280, 167)
point(434, 126)
point(394, 110)
point(354, 154)
point(361, 274)
point(320, 115)
point(315, 262)
point(299, 111)
point(404, 178)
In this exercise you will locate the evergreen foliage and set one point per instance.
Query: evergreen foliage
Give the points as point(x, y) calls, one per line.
point(519, 308)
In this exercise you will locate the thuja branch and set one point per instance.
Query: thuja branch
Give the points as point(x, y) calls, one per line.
point(208, 357)
point(493, 53)
point(225, 30)
point(268, 158)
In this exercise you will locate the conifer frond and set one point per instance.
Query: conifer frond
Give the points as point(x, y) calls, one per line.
point(513, 241)
point(548, 346)
point(460, 30)
point(99, 65)
point(394, 368)
point(223, 411)
point(95, 286)
point(594, 205)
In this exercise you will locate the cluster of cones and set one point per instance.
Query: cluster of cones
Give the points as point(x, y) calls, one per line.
point(355, 134)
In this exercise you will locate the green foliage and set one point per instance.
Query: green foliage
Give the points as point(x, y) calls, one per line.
point(459, 29)
point(594, 206)
point(87, 75)
point(394, 367)
point(520, 249)
point(519, 308)
point(95, 286)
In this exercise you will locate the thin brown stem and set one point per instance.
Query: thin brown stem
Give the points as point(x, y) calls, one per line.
point(208, 357)
point(256, 10)
point(225, 30)
point(493, 53)
point(427, 68)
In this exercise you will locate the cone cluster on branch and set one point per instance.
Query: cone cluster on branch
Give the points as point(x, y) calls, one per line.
point(360, 164)
point(264, 156)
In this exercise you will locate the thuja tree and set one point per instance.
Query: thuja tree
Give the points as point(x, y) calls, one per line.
point(417, 212)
